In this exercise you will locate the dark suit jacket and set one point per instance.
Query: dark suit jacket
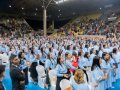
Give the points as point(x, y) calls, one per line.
point(1, 86)
point(17, 76)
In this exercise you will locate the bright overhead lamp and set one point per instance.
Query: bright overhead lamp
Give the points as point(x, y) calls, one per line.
point(35, 14)
point(10, 6)
point(22, 8)
point(61, 1)
point(36, 9)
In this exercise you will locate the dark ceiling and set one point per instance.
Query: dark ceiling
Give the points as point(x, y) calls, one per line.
point(33, 8)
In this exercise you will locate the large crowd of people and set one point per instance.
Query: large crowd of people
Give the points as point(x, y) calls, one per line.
point(89, 26)
point(61, 63)
point(88, 63)
point(13, 26)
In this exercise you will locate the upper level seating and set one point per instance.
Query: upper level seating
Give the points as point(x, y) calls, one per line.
point(19, 25)
point(94, 24)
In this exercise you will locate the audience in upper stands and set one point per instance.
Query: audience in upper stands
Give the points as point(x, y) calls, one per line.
point(14, 27)
point(87, 26)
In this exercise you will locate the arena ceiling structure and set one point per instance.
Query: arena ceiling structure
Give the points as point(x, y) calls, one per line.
point(57, 9)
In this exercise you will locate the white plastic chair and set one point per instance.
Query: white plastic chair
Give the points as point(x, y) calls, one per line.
point(53, 79)
point(4, 59)
point(65, 85)
point(41, 76)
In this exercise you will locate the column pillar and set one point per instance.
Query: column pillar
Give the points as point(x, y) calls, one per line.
point(45, 22)
point(53, 25)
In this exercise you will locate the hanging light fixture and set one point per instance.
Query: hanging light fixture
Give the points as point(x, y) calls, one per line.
point(60, 1)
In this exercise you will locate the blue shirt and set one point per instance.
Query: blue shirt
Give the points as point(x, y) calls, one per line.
point(69, 64)
point(84, 62)
point(61, 70)
point(23, 64)
point(50, 64)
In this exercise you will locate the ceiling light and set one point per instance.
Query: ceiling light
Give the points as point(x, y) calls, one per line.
point(36, 9)
point(10, 6)
point(73, 13)
point(60, 1)
point(59, 10)
point(22, 8)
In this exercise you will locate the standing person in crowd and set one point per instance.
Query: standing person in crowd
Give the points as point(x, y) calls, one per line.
point(32, 55)
point(116, 58)
point(84, 63)
point(33, 71)
point(23, 66)
point(50, 64)
point(26, 54)
point(86, 49)
point(92, 55)
point(74, 62)
point(2, 74)
point(68, 62)
point(62, 72)
point(108, 66)
point(98, 76)
point(17, 76)
point(78, 82)
point(43, 56)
